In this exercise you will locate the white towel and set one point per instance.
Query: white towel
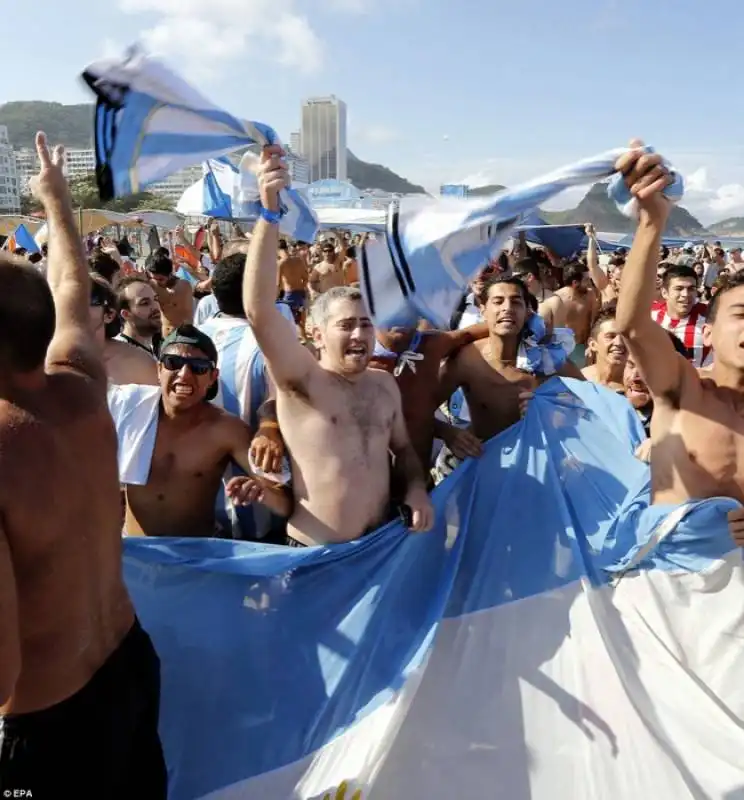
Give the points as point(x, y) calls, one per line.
point(135, 412)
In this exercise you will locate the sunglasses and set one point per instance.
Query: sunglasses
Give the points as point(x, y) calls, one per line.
point(174, 363)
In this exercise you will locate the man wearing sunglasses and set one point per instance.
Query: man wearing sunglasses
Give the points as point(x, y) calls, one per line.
point(339, 419)
point(194, 444)
point(327, 274)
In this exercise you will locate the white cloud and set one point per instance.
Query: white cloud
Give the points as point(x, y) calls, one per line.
point(376, 134)
point(204, 41)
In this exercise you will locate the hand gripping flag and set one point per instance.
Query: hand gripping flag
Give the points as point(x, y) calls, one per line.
point(150, 123)
point(432, 248)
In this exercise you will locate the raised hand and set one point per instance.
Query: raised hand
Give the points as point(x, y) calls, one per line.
point(272, 176)
point(50, 185)
point(646, 178)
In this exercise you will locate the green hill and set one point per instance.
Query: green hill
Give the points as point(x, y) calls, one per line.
point(732, 226)
point(597, 208)
point(73, 127)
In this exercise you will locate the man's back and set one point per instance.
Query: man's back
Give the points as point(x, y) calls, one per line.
point(60, 507)
point(293, 274)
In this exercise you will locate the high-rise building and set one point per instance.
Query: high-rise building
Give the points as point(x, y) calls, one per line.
point(176, 184)
point(79, 163)
point(299, 168)
point(10, 196)
point(324, 138)
point(27, 165)
point(295, 142)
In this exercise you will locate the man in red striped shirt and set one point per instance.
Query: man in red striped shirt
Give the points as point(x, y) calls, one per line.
point(680, 313)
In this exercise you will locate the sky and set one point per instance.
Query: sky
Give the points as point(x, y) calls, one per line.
point(441, 91)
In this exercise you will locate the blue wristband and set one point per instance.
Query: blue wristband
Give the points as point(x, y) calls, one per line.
point(272, 217)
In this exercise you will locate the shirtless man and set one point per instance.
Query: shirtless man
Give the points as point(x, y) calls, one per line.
point(487, 370)
point(582, 306)
point(175, 295)
point(414, 358)
point(79, 678)
point(339, 419)
point(140, 314)
point(293, 284)
point(351, 267)
point(549, 305)
point(607, 351)
point(697, 426)
point(608, 285)
point(328, 273)
point(123, 362)
point(194, 444)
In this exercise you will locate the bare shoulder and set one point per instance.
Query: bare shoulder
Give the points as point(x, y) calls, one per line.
point(378, 378)
point(692, 388)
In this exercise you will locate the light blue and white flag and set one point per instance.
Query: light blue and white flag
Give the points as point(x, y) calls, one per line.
point(432, 248)
point(553, 638)
point(150, 123)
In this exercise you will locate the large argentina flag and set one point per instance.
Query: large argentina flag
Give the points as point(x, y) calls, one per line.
point(553, 638)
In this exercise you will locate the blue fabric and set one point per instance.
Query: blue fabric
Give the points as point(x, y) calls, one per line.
point(563, 240)
point(269, 653)
point(433, 248)
point(24, 239)
point(149, 123)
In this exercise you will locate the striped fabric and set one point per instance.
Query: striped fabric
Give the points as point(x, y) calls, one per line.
point(432, 248)
point(688, 330)
point(150, 123)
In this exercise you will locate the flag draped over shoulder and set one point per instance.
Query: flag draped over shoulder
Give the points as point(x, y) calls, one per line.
point(150, 123)
point(553, 638)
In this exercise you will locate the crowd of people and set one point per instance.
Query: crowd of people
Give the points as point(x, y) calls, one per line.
point(239, 389)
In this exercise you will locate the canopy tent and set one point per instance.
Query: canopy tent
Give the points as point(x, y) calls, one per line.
point(9, 223)
point(91, 219)
point(351, 219)
point(160, 219)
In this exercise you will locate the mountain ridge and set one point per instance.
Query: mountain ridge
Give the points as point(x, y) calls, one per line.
point(72, 125)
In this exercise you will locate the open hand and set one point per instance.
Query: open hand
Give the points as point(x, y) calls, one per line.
point(244, 490)
point(267, 451)
point(422, 511)
point(646, 178)
point(272, 176)
point(463, 443)
point(50, 185)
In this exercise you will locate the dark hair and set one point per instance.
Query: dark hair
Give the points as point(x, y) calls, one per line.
point(664, 253)
point(606, 313)
point(103, 264)
point(227, 284)
point(574, 274)
point(35, 258)
point(678, 271)
point(527, 266)
point(617, 261)
point(122, 301)
point(102, 291)
point(351, 252)
point(124, 248)
point(482, 296)
point(27, 315)
point(159, 263)
point(733, 282)
point(283, 244)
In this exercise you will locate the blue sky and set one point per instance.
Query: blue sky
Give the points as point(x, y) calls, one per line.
point(439, 90)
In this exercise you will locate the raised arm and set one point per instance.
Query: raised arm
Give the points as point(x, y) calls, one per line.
point(10, 641)
point(660, 365)
point(596, 273)
point(73, 346)
point(454, 340)
point(290, 364)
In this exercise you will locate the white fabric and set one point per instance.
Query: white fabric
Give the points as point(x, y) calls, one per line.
point(134, 409)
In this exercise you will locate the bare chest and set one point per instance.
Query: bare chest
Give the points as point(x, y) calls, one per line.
point(493, 396)
point(185, 459)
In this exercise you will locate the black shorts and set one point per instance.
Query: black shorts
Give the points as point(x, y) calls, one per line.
point(100, 744)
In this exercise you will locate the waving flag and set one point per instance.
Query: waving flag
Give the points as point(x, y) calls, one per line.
point(553, 638)
point(21, 238)
point(432, 248)
point(149, 123)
